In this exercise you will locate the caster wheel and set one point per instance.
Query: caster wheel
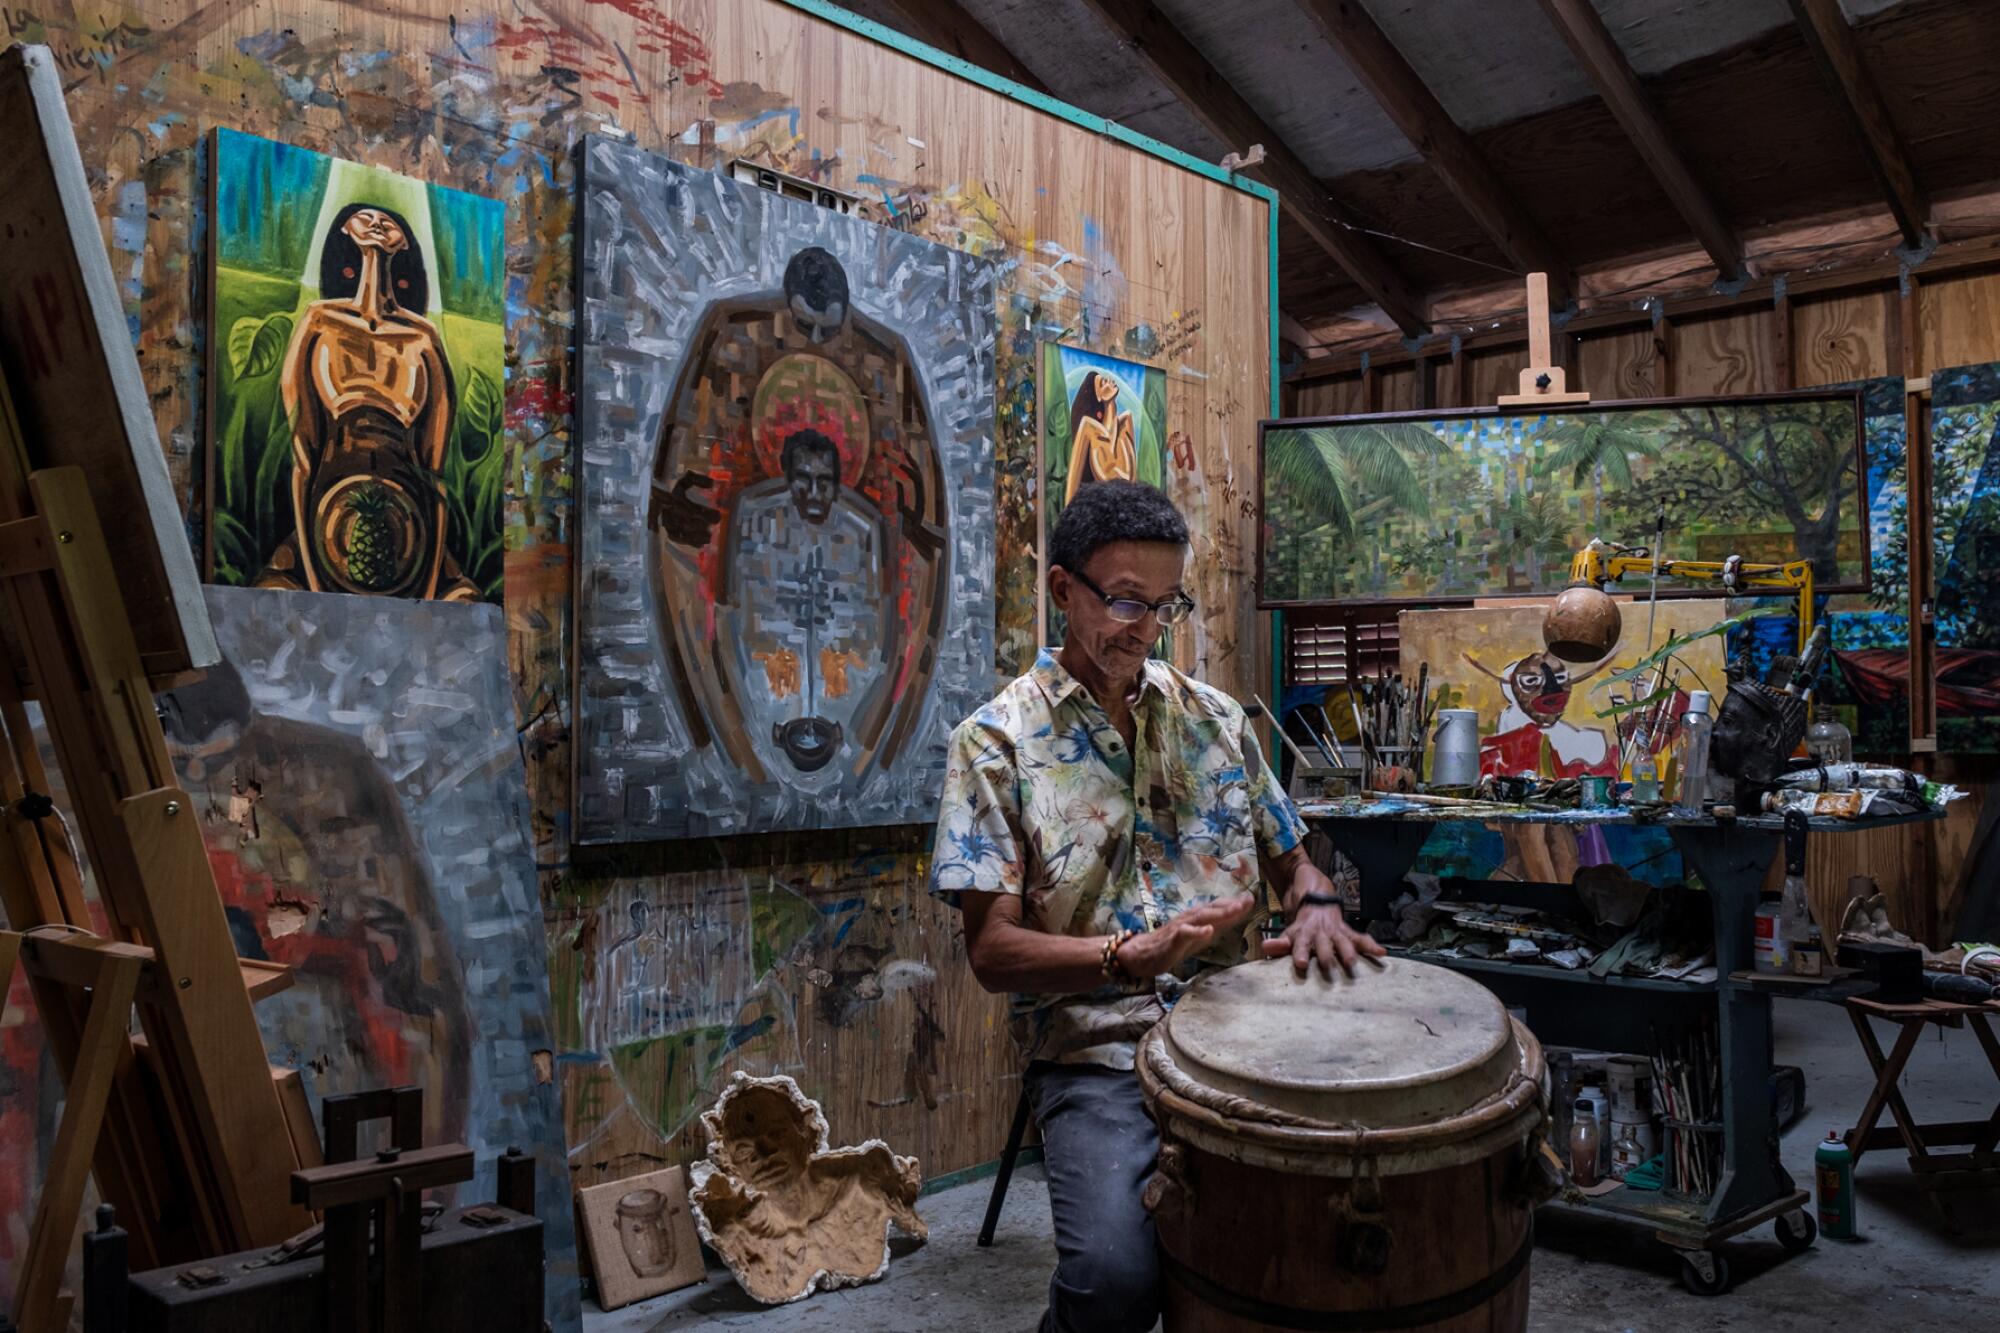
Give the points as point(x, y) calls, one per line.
point(1704, 1272)
point(1796, 1231)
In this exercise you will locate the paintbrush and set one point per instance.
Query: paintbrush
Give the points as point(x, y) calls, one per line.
point(1278, 725)
point(1318, 742)
point(1333, 734)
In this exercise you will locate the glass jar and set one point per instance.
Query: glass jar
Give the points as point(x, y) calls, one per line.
point(1827, 741)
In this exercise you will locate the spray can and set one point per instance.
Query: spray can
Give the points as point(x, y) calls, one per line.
point(1833, 1168)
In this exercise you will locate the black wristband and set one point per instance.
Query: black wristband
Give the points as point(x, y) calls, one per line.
point(1320, 900)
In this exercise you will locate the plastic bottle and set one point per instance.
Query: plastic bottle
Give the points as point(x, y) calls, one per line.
point(1827, 740)
point(1833, 1170)
point(1697, 727)
point(1600, 1110)
point(1583, 1146)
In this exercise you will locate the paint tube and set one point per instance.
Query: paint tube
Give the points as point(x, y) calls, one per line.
point(1862, 803)
point(1845, 777)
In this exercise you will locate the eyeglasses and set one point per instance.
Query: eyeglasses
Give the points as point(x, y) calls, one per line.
point(1130, 610)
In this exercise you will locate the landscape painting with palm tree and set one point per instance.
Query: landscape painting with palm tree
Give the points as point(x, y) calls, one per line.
point(1490, 504)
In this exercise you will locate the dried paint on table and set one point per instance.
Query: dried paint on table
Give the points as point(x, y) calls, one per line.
point(786, 527)
point(357, 366)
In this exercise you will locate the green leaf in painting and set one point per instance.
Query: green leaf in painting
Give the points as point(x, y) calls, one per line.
point(236, 555)
point(480, 412)
point(257, 346)
point(1334, 472)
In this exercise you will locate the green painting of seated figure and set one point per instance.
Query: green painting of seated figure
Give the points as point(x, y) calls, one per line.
point(357, 364)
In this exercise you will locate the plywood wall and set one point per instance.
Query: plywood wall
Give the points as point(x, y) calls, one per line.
point(840, 970)
point(1755, 348)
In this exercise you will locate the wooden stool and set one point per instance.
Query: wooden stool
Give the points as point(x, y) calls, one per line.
point(1935, 1171)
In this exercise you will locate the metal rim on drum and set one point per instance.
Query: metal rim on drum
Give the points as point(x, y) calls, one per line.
point(1481, 1088)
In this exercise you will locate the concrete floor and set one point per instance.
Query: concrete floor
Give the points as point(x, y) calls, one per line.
point(1906, 1272)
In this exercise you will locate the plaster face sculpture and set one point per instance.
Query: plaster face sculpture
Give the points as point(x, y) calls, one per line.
point(786, 1213)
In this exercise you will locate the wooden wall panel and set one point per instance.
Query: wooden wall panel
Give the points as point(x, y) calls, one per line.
point(1617, 365)
point(1958, 322)
point(1328, 398)
point(1489, 374)
point(1727, 354)
point(1840, 339)
point(856, 982)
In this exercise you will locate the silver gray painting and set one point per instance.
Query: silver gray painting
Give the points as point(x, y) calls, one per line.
point(356, 766)
point(785, 519)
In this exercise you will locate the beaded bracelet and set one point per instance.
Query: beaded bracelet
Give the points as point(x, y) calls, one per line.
point(1108, 963)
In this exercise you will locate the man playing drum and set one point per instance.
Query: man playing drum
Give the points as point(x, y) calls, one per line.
point(1104, 827)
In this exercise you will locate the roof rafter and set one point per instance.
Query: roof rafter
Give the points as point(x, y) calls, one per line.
point(1618, 84)
point(1212, 100)
point(1839, 57)
point(1447, 149)
point(946, 25)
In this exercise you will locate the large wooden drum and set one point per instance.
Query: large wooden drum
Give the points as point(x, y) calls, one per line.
point(1347, 1154)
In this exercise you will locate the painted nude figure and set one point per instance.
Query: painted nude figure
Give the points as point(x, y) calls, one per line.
point(1102, 448)
point(369, 394)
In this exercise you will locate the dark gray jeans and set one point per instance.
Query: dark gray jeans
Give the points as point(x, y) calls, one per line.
point(1098, 1146)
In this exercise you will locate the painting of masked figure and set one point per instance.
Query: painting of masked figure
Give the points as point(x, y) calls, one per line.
point(356, 375)
point(785, 513)
point(1541, 715)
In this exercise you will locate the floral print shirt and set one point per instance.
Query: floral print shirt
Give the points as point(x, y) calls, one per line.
point(1042, 799)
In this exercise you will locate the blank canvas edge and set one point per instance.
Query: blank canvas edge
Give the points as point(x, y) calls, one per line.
point(80, 216)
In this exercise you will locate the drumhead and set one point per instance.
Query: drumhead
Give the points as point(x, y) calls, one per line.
point(1408, 1045)
point(1411, 1066)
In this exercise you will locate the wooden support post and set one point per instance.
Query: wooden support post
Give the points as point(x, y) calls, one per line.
point(1543, 381)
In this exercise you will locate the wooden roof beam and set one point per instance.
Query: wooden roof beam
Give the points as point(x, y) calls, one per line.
point(946, 25)
point(1447, 149)
point(1618, 84)
point(1839, 57)
point(1212, 100)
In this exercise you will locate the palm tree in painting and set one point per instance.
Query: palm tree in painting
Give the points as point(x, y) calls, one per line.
point(1339, 477)
point(1599, 448)
point(1335, 473)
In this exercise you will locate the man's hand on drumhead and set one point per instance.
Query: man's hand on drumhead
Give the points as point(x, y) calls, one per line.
point(1323, 933)
point(1166, 947)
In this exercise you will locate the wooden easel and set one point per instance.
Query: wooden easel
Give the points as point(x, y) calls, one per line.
point(186, 1126)
point(1543, 382)
point(188, 1134)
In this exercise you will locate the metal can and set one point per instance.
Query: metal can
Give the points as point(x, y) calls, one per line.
point(1594, 792)
point(1833, 1172)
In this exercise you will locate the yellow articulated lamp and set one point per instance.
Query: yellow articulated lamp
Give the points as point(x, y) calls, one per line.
point(1583, 622)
